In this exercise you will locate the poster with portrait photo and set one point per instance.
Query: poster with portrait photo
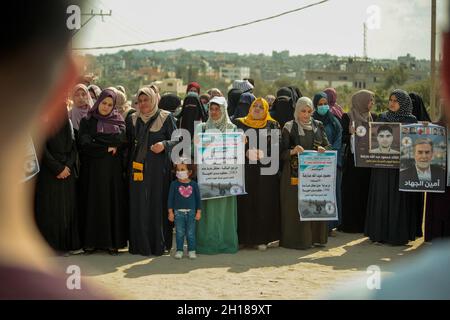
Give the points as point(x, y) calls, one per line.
point(377, 145)
point(422, 158)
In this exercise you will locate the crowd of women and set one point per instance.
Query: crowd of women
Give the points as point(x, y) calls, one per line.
point(106, 173)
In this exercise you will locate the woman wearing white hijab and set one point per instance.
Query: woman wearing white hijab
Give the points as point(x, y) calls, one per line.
point(302, 133)
point(217, 229)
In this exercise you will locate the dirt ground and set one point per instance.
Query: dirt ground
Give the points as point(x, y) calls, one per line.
point(276, 273)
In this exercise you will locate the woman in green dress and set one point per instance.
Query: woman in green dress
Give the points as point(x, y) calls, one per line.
point(302, 133)
point(217, 230)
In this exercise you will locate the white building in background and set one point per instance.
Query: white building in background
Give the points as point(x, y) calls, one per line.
point(234, 73)
point(172, 85)
point(339, 78)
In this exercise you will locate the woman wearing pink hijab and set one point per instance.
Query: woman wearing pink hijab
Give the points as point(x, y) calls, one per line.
point(82, 103)
point(334, 107)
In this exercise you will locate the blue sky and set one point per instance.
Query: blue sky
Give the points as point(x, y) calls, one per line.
point(334, 27)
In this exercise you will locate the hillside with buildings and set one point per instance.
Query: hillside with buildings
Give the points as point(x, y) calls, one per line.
point(172, 70)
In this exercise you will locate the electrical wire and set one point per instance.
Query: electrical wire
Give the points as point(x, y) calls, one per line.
point(205, 32)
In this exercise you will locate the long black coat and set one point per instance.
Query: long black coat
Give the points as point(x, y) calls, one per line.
point(150, 230)
point(259, 216)
point(55, 199)
point(102, 191)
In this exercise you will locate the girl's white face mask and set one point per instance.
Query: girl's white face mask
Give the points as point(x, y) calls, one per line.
point(182, 175)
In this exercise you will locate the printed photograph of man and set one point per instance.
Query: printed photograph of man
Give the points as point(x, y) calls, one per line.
point(385, 138)
point(423, 169)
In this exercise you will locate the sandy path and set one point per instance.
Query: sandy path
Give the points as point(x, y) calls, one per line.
point(277, 273)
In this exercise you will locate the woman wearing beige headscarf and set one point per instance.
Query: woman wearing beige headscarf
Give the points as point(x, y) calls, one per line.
point(355, 180)
point(149, 132)
point(156, 91)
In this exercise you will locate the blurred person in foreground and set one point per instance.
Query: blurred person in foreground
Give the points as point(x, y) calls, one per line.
point(36, 73)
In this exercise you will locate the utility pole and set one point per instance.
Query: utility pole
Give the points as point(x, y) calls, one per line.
point(433, 62)
point(365, 40)
point(91, 15)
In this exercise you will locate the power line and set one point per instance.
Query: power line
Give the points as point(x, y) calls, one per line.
point(138, 35)
point(131, 34)
point(204, 32)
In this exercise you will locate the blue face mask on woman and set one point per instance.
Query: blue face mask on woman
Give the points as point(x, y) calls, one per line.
point(322, 110)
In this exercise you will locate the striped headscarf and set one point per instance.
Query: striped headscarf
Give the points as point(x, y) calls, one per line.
point(404, 113)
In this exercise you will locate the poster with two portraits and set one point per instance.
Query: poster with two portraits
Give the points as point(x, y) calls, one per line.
point(423, 158)
point(417, 150)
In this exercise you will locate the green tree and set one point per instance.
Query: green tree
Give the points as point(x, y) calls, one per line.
point(423, 89)
point(381, 99)
point(344, 97)
point(396, 77)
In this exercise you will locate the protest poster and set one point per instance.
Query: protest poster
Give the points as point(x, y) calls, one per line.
point(377, 145)
point(221, 164)
point(317, 186)
point(423, 158)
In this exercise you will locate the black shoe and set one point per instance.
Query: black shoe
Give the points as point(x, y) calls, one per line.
point(62, 253)
point(89, 250)
point(113, 252)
